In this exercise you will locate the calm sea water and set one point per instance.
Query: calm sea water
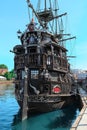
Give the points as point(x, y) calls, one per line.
point(57, 120)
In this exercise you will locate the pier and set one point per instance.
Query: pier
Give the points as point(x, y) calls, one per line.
point(81, 121)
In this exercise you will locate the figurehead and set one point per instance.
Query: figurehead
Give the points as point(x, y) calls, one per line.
point(31, 26)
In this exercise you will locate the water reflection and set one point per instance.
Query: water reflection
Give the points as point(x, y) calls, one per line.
point(64, 119)
point(8, 106)
point(6, 90)
point(57, 120)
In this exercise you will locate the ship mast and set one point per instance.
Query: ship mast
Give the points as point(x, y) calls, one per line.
point(45, 25)
point(44, 17)
point(45, 5)
point(31, 6)
point(56, 15)
point(67, 39)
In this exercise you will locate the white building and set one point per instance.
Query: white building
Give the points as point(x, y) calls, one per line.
point(2, 78)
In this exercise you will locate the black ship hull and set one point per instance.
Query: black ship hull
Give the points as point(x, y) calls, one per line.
point(35, 107)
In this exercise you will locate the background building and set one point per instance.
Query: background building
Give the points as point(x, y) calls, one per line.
point(3, 71)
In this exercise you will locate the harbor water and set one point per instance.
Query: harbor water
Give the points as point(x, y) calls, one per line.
point(56, 120)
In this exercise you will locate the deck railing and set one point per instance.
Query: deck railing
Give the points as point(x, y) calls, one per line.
point(31, 60)
point(40, 60)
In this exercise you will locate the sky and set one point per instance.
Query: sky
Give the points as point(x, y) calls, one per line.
point(14, 16)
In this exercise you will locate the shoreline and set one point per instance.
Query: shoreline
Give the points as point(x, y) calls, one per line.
point(6, 82)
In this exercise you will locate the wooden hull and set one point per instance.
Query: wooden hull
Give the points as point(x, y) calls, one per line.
point(47, 106)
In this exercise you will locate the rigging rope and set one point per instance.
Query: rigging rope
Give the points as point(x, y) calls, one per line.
point(50, 4)
point(28, 10)
point(29, 13)
point(38, 5)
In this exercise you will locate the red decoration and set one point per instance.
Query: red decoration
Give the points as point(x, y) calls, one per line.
point(56, 89)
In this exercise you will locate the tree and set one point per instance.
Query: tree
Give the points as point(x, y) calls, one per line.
point(9, 75)
point(12, 73)
point(2, 66)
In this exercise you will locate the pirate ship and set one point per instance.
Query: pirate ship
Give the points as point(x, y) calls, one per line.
point(43, 79)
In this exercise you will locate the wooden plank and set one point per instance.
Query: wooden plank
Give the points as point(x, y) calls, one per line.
point(25, 102)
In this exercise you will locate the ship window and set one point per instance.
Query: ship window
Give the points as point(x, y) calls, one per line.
point(34, 74)
point(63, 54)
point(33, 39)
point(48, 60)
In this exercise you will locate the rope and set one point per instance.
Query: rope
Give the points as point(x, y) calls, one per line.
point(28, 11)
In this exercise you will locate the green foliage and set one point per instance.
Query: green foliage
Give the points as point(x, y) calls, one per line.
point(12, 73)
point(2, 66)
point(9, 75)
